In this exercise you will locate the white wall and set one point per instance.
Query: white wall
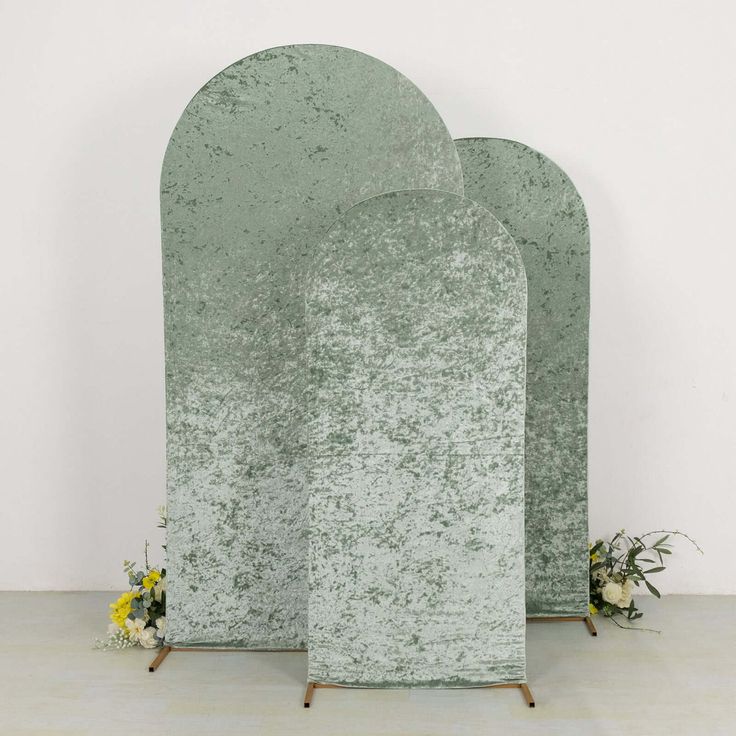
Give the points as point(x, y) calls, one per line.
point(635, 100)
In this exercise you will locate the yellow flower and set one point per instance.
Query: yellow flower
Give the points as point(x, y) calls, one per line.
point(595, 557)
point(121, 608)
point(151, 579)
point(592, 609)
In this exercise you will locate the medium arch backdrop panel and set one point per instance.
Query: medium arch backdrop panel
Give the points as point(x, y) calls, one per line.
point(264, 158)
point(544, 213)
point(416, 313)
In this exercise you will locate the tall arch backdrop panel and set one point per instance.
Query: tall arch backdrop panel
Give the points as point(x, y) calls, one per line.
point(544, 213)
point(264, 158)
point(416, 314)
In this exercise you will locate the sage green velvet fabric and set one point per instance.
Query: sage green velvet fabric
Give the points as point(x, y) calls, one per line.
point(416, 316)
point(264, 158)
point(545, 215)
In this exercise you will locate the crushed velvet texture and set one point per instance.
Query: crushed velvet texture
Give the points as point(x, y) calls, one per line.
point(544, 213)
point(416, 315)
point(264, 158)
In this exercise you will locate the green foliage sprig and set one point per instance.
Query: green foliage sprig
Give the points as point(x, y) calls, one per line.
point(623, 564)
point(138, 616)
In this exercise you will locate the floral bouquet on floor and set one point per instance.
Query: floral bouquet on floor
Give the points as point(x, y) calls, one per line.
point(621, 565)
point(138, 616)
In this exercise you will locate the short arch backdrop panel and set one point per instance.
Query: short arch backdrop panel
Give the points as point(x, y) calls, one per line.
point(264, 158)
point(544, 213)
point(416, 314)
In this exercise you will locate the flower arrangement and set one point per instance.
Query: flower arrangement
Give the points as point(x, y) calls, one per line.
point(618, 566)
point(138, 616)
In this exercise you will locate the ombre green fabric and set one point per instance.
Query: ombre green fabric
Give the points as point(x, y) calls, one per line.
point(264, 158)
point(544, 213)
point(416, 316)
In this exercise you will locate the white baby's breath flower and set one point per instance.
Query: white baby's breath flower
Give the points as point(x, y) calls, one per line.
point(611, 592)
point(148, 638)
point(161, 627)
point(117, 640)
point(135, 626)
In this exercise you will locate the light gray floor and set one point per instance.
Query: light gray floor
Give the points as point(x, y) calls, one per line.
point(682, 681)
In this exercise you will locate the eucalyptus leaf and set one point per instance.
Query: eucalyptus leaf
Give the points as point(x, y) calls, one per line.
point(652, 589)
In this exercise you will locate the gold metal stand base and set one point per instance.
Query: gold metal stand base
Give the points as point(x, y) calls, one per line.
point(525, 691)
point(586, 619)
point(591, 626)
point(161, 656)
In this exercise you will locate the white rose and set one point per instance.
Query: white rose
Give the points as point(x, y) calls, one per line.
point(161, 627)
point(148, 638)
point(611, 593)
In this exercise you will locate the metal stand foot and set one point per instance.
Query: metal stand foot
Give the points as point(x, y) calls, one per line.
point(525, 691)
point(160, 657)
point(308, 694)
point(220, 650)
point(546, 619)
